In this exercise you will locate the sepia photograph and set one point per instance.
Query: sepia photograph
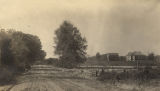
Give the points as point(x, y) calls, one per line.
point(79, 45)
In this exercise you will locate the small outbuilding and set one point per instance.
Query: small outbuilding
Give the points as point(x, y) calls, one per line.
point(112, 57)
point(135, 56)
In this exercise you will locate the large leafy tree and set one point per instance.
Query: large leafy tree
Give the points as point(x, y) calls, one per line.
point(34, 45)
point(70, 45)
point(18, 49)
point(6, 53)
point(6, 56)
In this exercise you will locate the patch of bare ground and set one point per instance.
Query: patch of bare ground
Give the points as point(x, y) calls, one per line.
point(70, 85)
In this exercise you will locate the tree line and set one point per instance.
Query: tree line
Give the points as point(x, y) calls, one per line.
point(19, 50)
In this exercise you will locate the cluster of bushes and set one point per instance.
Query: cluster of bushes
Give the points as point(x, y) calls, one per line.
point(18, 51)
point(58, 63)
point(52, 61)
point(55, 62)
point(140, 76)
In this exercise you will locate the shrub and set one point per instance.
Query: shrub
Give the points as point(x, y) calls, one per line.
point(140, 76)
point(7, 75)
point(107, 76)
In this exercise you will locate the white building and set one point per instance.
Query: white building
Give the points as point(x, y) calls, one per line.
point(134, 56)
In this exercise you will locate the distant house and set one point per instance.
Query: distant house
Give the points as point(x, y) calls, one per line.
point(135, 56)
point(112, 56)
point(103, 57)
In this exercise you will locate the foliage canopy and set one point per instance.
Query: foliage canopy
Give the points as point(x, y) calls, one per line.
point(19, 49)
point(70, 45)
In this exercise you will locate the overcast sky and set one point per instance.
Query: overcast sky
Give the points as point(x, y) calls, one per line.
point(109, 25)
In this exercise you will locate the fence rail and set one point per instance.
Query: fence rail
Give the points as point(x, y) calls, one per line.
point(118, 67)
